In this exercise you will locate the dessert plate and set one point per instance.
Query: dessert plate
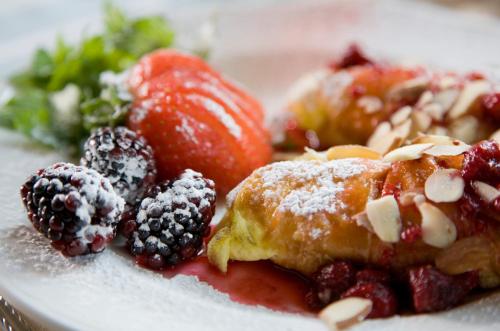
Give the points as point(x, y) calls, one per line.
point(265, 48)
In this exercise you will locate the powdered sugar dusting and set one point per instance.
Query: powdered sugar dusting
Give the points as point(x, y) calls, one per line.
point(219, 112)
point(93, 187)
point(317, 184)
point(187, 130)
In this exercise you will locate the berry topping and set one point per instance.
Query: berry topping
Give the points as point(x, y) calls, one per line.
point(481, 164)
point(332, 280)
point(373, 276)
point(75, 207)
point(383, 298)
point(172, 221)
point(491, 105)
point(124, 158)
point(194, 118)
point(433, 291)
point(353, 56)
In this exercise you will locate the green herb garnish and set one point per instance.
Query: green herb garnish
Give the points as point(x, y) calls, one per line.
point(60, 98)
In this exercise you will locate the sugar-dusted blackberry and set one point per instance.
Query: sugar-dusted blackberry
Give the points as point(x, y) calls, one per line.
point(75, 207)
point(124, 157)
point(172, 221)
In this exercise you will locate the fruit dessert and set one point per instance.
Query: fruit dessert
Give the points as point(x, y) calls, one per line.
point(421, 219)
point(381, 105)
point(193, 117)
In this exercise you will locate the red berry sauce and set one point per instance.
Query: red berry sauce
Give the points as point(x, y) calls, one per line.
point(252, 283)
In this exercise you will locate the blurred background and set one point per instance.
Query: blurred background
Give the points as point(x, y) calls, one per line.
point(26, 24)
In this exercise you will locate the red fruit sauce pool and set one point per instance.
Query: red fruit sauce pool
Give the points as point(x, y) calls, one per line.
point(252, 283)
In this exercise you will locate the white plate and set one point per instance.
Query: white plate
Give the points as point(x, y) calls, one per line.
point(264, 48)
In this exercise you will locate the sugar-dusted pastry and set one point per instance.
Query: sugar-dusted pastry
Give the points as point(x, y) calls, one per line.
point(433, 202)
point(358, 101)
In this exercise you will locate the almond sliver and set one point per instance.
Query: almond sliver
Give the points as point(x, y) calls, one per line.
point(447, 150)
point(437, 229)
point(345, 313)
point(383, 215)
point(444, 185)
point(410, 152)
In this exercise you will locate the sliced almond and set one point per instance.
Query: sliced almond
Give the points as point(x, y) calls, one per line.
point(444, 185)
point(311, 154)
point(409, 89)
point(436, 140)
point(424, 99)
point(496, 136)
point(409, 198)
point(383, 141)
point(438, 130)
point(421, 120)
point(437, 229)
point(447, 98)
point(434, 110)
point(344, 313)
point(401, 115)
point(348, 151)
point(370, 104)
point(362, 220)
point(384, 218)
point(410, 152)
point(470, 93)
point(486, 191)
point(465, 129)
point(447, 150)
point(448, 82)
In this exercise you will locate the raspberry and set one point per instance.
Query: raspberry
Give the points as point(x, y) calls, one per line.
point(75, 207)
point(491, 106)
point(373, 276)
point(433, 291)
point(331, 280)
point(411, 234)
point(124, 157)
point(352, 57)
point(482, 163)
point(172, 221)
point(383, 298)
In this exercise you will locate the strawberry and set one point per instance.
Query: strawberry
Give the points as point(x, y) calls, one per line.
point(194, 118)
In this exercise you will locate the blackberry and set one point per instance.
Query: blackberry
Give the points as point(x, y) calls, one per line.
point(172, 221)
point(124, 157)
point(75, 207)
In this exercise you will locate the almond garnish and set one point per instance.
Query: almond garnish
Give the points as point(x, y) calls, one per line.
point(348, 151)
point(401, 115)
point(436, 140)
point(496, 136)
point(465, 129)
point(422, 120)
point(446, 98)
point(447, 150)
point(409, 89)
point(384, 139)
point(438, 130)
point(444, 185)
point(486, 191)
point(437, 229)
point(434, 110)
point(424, 99)
point(384, 218)
point(311, 154)
point(410, 152)
point(346, 312)
point(370, 104)
point(470, 93)
point(408, 198)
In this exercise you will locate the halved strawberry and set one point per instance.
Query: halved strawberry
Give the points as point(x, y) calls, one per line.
point(193, 118)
